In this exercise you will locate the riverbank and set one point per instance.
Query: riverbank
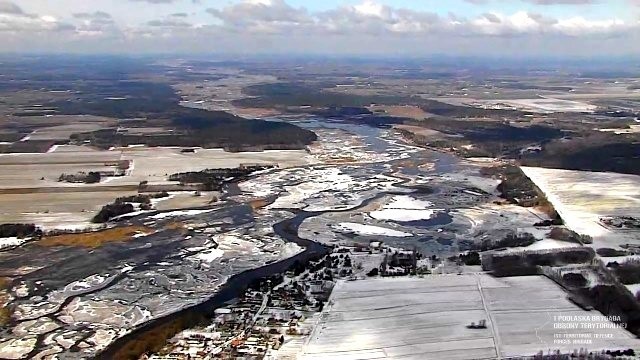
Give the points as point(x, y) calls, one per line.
point(154, 333)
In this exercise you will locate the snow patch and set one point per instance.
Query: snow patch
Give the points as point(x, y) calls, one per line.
point(290, 250)
point(17, 348)
point(548, 244)
point(634, 288)
point(367, 230)
point(405, 208)
point(323, 180)
point(180, 213)
point(11, 242)
point(407, 202)
point(209, 255)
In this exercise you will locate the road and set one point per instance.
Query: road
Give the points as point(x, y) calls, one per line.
point(263, 306)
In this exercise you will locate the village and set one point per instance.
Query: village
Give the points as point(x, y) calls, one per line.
point(372, 299)
point(276, 316)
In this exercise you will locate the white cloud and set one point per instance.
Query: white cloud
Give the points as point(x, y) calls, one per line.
point(371, 8)
point(169, 23)
point(262, 16)
point(95, 24)
point(93, 16)
point(15, 22)
point(373, 18)
point(579, 26)
point(275, 25)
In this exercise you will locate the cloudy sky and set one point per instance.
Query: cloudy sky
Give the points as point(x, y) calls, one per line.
point(340, 27)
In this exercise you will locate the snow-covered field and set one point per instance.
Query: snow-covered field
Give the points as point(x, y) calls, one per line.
point(36, 175)
point(632, 129)
point(427, 318)
point(538, 104)
point(152, 164)
point(546, 244)
point(551, 105)
point(582, 198)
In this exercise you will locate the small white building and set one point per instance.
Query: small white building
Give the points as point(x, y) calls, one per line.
point(223, 315)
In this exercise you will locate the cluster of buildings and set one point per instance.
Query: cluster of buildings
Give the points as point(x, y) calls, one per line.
point(268, 314)
point(275, 316)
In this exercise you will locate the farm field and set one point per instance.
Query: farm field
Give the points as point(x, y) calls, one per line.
point(427, 318)
point(42, 170)
point(146, 164)
point(582, 198)
point(67, 210)
point(31, 193)
point(155, 164)
point(535, 104)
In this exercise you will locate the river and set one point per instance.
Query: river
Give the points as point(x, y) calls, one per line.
point(236, 285)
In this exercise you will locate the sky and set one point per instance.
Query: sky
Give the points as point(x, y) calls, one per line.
point(509, 28)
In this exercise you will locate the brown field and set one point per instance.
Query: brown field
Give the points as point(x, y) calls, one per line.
point(153, 340)
point(341, 160)
point(5, 311)
point(94, 239)
point(69, 189)
point(180, 227)
point(420, 131)
point(174, 226)
point(258, 204)
point(56, 209)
